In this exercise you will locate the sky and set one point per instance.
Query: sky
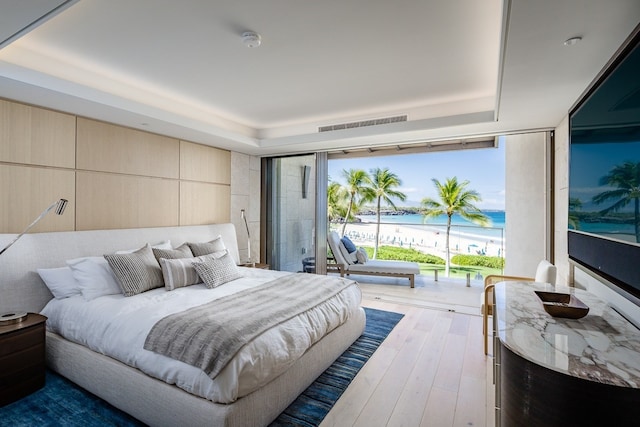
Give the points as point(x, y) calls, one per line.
point(484, 168)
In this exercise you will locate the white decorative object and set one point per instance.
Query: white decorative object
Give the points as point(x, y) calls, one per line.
point(11, 318)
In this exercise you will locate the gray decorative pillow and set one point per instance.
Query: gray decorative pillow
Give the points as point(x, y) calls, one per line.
point(217, 271)
point(206, 248)
point(182, 251)
point(136, 272)
point(179, 272)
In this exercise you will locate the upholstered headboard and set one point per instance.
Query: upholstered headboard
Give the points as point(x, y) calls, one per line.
point(21, 288)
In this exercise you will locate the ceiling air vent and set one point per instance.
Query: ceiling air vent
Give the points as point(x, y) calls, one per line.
point(363, 123)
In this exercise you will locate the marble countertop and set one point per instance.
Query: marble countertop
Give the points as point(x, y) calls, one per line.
point(601, 347)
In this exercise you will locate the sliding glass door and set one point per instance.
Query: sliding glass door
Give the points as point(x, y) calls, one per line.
point(290, 187)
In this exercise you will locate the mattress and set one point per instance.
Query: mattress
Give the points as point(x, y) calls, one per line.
point(117, 326)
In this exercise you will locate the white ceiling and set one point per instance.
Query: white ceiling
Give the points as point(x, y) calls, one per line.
point(456, 68)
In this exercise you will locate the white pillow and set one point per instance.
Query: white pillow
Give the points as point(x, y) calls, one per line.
point(362, 256)
point(162, 245)
point(60, 282)
point(94, 277)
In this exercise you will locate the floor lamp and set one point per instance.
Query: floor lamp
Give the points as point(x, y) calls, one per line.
point(244, 217)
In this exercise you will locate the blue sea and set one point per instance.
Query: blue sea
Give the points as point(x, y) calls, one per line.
point(459, 226)
point(497, 219)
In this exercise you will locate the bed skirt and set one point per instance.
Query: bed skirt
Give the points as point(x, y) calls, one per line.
point(157, 403)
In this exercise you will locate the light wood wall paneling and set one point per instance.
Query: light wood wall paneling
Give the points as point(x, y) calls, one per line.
point(27, 191)
point(202, 163)
point(110, 148)
point(107, 201)
point(202, 203)
point(37, 136)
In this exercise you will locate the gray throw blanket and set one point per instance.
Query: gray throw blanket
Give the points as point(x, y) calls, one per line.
point(210, 335)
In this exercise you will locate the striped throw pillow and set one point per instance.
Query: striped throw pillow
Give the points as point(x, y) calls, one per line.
point(179, 272)
point(136, 272)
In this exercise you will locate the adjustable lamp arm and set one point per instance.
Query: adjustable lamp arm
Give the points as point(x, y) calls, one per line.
point(60, 205)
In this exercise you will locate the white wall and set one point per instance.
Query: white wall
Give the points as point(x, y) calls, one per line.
point(561, 200)
point(245, 194)
point(526, 202)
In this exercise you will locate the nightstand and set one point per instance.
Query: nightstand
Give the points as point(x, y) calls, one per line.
point(22, 358)
point(255, 265)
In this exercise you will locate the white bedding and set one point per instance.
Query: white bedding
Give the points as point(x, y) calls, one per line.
point(117, 327)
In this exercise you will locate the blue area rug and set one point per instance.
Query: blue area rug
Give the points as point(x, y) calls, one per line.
point(62, 403)
point(310, 408)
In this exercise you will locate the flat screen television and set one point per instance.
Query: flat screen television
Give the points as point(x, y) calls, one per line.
point(604, 173)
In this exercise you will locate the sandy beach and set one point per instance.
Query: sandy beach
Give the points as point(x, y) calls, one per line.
point(428, 238)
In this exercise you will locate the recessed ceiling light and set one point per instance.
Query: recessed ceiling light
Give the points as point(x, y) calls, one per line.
point(251, 39)
point(572, 41)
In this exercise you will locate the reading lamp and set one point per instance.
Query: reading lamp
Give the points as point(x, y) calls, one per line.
point(17, 317)
point(244, 217)
point(60, 205)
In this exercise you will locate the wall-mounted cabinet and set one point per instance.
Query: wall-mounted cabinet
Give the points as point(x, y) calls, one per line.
point(203, 163)
point(36, 136)
point(110, 148)
point(113, 177)
point(26, 191)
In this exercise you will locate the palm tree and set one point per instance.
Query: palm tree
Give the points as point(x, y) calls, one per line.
point(382, 183)
point(336, 201)
point(454, 199)
point(575, 204)
point(355, 184)
point(626, 179)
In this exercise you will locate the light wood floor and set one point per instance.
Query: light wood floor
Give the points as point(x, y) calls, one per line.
point(430, 371)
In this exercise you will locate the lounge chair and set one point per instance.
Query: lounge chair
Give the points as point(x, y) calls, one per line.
point(348, 263)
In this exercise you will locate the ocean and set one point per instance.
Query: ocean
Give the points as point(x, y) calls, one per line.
point(465, 236)
point(497, 219)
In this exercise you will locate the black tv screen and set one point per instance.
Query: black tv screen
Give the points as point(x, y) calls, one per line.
point(604, 173)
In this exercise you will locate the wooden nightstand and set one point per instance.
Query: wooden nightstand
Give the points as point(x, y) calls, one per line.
point(22, 358)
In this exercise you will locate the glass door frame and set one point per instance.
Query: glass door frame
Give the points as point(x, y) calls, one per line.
point(269, 228)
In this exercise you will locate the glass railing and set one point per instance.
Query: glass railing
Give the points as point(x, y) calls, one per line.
point(410, 241)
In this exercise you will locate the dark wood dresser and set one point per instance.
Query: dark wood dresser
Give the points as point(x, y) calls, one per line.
point(22, 358)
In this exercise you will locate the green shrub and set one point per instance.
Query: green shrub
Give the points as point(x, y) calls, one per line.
point(479, 260)
point(404, 254)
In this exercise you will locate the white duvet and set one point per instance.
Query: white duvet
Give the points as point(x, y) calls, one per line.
point(117, 327)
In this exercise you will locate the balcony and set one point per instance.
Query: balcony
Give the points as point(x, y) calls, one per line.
point(425, 244)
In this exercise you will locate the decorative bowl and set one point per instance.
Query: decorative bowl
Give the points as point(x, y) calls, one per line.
point(562, 305)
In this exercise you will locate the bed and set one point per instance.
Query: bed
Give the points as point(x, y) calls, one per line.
point(134, 389)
